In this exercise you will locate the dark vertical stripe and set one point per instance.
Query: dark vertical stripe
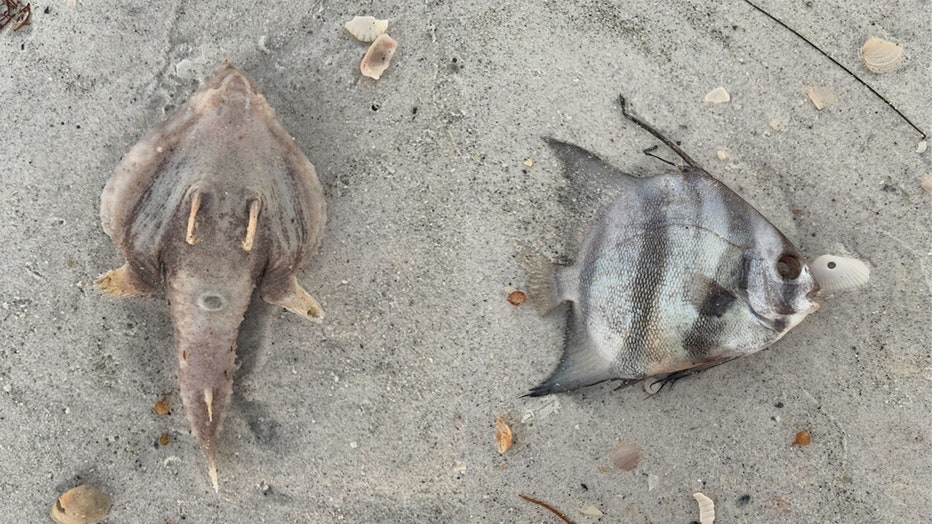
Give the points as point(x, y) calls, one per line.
point(649, 275)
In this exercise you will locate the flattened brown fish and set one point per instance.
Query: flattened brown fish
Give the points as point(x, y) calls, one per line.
point(218, 199)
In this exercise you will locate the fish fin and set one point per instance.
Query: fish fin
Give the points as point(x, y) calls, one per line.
point(581, 365)
point(542, 286)
point(289, 294)
point(710, 298)
point(123, 282)
point(669, 380)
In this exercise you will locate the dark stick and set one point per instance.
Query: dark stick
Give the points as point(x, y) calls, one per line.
point(650, 129)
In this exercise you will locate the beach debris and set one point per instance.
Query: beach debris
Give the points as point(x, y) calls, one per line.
point(625, 456)
point(528, 162)
point(926, 183)
point(722, 155)
point(378, 57)
point(821, 97)
point(503, 435)
point(84, 504)
point(517, 297)
point(163, 439)
point(652, 481)
point(922, 146)
point(837, 273)
point(717, 96)
point(161, 407)
point(548, 507)
point(591, 511)
point(14, 14)
point(881, 57)
point(840, 66)
point(366, 28)
point(706, 508)
point(802, 438)
point(183, 206)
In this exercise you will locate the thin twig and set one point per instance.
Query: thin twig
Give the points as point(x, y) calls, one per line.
point(650, 129)
point(543, 504)
point(836, 62)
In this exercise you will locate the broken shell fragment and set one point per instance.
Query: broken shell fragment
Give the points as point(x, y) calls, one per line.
point(503, 436)
point(378, 57)
point(717, 96)
point(835, 273)
point(881, 57)
point(625, 456)
point(821, 97)
point(802, 439)
point(84, 504)
point(706, 508)
point(366, 28)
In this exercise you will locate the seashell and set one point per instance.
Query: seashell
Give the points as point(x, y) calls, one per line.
point(378, 57)
point(717, 96)
point(835, 273)
point(503, 435)
point(625, 456)
point(366, 28)
point(84, 504)
point(803, 438)
point(706, 508)
point(821, 97)
point(881, 57)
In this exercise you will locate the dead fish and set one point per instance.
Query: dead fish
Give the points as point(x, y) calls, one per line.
point(218, 200)
point(678, 275)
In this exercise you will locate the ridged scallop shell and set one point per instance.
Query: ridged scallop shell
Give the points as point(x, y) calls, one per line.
point(835, 273)
point(378, 57)
point(366, 28)
point(881, 57)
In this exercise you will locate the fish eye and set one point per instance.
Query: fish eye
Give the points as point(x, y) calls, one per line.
point(788, 266)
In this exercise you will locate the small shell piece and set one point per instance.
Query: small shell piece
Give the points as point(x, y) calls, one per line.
point(706, 508)
point(881, 56)
point(717, 96)
point(503, 435)
point(625, 456)
point(84, 504)
point(821, 97)
point(366, 28)
point(378, 57)
point(802, 438)
point(835, 273)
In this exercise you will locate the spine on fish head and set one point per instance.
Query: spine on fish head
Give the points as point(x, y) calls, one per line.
point(206, 319)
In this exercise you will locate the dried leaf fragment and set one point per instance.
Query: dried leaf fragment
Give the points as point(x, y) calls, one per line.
point(378, 57)
point(802, 438)
point(503, 436)
point(84, 504)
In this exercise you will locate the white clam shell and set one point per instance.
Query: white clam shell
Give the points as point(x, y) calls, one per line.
point(881, 56)
point(366, 28)
point(378, 57)
point(836, 273)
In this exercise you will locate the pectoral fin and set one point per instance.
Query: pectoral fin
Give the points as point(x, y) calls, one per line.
point(710, 298)
point(290, 295)
point(123, 282)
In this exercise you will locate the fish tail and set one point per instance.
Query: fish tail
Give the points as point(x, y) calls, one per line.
point(581, 365)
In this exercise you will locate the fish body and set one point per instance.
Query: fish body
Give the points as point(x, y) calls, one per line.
point(678, 274)
point(217, 201)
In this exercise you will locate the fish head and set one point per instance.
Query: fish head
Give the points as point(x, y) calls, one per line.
point(232, 97)
point(779, 285)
